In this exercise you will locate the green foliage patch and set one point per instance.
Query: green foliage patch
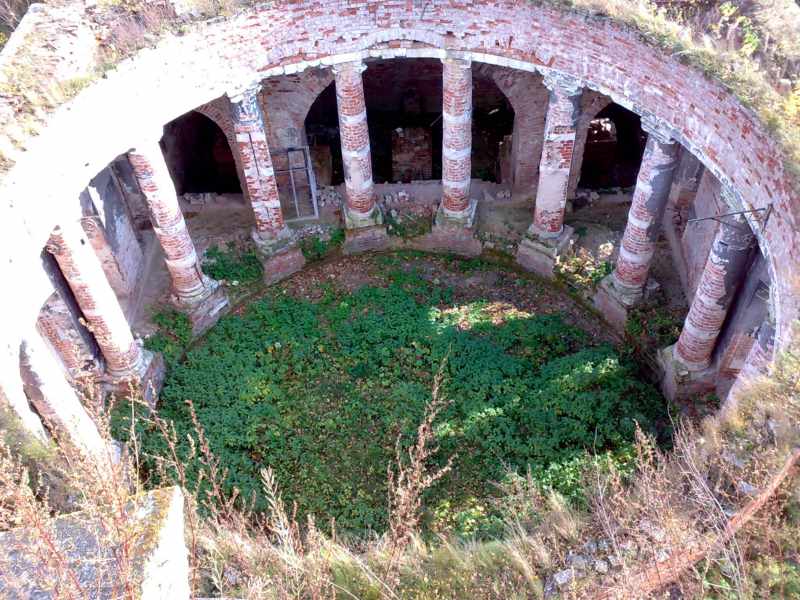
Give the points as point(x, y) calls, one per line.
point(315, 248)
point(234, 263)
point(321, 390)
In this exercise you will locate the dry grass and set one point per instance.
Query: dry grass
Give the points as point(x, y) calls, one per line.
point(675, 503)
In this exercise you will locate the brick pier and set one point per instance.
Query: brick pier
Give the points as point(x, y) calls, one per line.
point(627, 285)
point(687, 365)
point(548, 238)
point(200, 297)
point(126, 361)
point(276, 248)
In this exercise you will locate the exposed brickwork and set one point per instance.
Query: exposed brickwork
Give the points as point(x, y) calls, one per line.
point(591, 104)
point(529, 98)
point(354, 133)
point(186, 71)
point(698, 236)
point(254, 156)
point(559, 143)
point(456, 134)
point(168, 222)
point(219, 111)
point(97, 300)
point(412, 154)
point(286, 101)
point(715, 292)
point(646, 213)
point(56, 325)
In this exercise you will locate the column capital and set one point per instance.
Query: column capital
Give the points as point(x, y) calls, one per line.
point(357, 65)
point(457, 61)
point(245, 94)
point(658, 129)
point(562, 83)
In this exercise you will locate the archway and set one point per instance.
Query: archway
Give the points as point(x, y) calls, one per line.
point(199, 156)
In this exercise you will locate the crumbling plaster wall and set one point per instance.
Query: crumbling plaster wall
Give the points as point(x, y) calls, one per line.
point(183, 72)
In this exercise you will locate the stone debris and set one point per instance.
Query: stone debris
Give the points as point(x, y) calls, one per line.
point(329, 196)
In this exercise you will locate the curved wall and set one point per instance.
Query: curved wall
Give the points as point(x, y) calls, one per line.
point(182, 73)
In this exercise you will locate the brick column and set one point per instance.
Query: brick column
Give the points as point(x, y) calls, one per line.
point(125, 359)
point(625, 287)
point(199, 296)
point(274, 243)
point(456, 208)
point(547, 238)
point(360, 208)
point(253, 153)
point(559, 144)
point(689, 360)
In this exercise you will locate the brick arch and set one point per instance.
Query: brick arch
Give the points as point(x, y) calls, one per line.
point(181, 73)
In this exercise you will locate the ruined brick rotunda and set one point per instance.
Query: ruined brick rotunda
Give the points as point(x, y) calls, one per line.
point(349, 112)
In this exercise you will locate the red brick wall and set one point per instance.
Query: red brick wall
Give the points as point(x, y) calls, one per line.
point(184, 72)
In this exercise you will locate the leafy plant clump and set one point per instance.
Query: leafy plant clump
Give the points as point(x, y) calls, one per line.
point(315, 248)
point(320, 391)
point(173, 336)
point(236, 263)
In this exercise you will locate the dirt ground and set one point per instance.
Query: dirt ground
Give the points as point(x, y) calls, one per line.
point(509, 290)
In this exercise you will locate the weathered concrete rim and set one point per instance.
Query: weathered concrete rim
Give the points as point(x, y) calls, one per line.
point(220, 57)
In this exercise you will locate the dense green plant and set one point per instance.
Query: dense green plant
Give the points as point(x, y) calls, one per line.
point(234, 263)
point(321, 391)
point(315, 248)
point(407, 225)
point(173, 336)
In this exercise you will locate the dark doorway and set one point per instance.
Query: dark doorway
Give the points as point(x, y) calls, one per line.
point(199, 157)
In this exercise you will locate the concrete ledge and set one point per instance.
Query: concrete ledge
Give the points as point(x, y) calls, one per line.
point(464, 219)
point(204, 312)
point(365, 239)
point(357, 220)
point(283, 264)
point(539, 255)
point(615, 302)
point(679, 383)
point(159, 563)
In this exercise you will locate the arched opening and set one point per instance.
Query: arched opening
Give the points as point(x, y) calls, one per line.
point(199, 156)
point(614, 149)
point(404, 108)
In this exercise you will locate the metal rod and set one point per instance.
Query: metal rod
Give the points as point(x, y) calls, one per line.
point(732, 214)
point(291, 179)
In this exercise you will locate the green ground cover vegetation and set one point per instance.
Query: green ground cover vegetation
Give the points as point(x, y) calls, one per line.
point(320, 391)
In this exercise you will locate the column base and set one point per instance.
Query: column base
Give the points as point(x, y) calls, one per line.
point(365, 239)
point(539, 255)
point(205, 311)
point(279, 255)
point(679, 382)
point(356, 220)
point(283, 264)
point(464, 219)
point(147, 380)
point(615, 302)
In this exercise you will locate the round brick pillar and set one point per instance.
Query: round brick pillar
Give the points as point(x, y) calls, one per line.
point(647, 210)
point(456, 134)
point(354, 133)
point(719, 281)
point(84, 274)
point(188, 283)
point(557, 150)
point(254, 157)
